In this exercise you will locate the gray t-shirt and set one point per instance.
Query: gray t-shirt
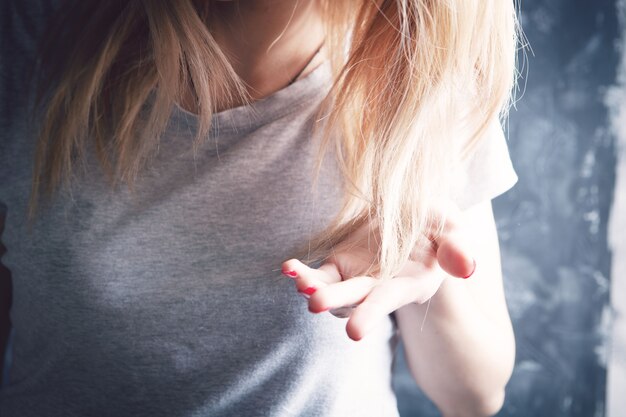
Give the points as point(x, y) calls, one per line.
point(169, 301)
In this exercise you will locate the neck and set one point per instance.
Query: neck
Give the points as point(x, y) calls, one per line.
point(268, 42)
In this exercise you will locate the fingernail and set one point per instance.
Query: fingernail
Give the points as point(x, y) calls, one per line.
point(289, 273)
point(473, 270)
point(308, 291)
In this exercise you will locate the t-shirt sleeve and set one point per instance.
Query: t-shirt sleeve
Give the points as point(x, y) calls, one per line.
point(487, 172)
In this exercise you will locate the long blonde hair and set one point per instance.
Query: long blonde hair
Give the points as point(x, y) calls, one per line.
point(421, 81)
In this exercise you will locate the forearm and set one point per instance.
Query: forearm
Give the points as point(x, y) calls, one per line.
point(462, 358)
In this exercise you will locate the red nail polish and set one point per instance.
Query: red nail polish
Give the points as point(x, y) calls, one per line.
point(289, 273)
point(473, 270)
point(309, 290)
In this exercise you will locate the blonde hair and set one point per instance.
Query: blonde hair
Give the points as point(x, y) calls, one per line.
point(421, 81)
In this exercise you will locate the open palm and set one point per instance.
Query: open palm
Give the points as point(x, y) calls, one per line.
point(342, 286)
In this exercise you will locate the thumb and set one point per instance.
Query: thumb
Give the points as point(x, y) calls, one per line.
point(454, 255)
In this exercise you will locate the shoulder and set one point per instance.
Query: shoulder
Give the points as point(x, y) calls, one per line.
point(486, 172)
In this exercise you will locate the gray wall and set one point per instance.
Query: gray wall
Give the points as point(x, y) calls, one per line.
point(553, 224)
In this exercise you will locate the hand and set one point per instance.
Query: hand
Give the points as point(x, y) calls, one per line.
point(339, 285)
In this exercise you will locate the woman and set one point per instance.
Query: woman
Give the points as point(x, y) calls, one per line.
point(187, 153)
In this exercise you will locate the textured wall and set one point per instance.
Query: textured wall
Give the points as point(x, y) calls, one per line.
point(553, 224)
point(616, 102)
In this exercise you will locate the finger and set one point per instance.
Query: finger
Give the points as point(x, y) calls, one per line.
point(344, 293)
point(454, 255)
point(326, 273)
point(453, 245)
point(387, 298)
point(308, 280)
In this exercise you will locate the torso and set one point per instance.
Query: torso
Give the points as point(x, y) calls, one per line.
point(169, 300)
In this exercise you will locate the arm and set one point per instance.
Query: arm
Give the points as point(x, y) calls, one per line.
point(464, 355)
